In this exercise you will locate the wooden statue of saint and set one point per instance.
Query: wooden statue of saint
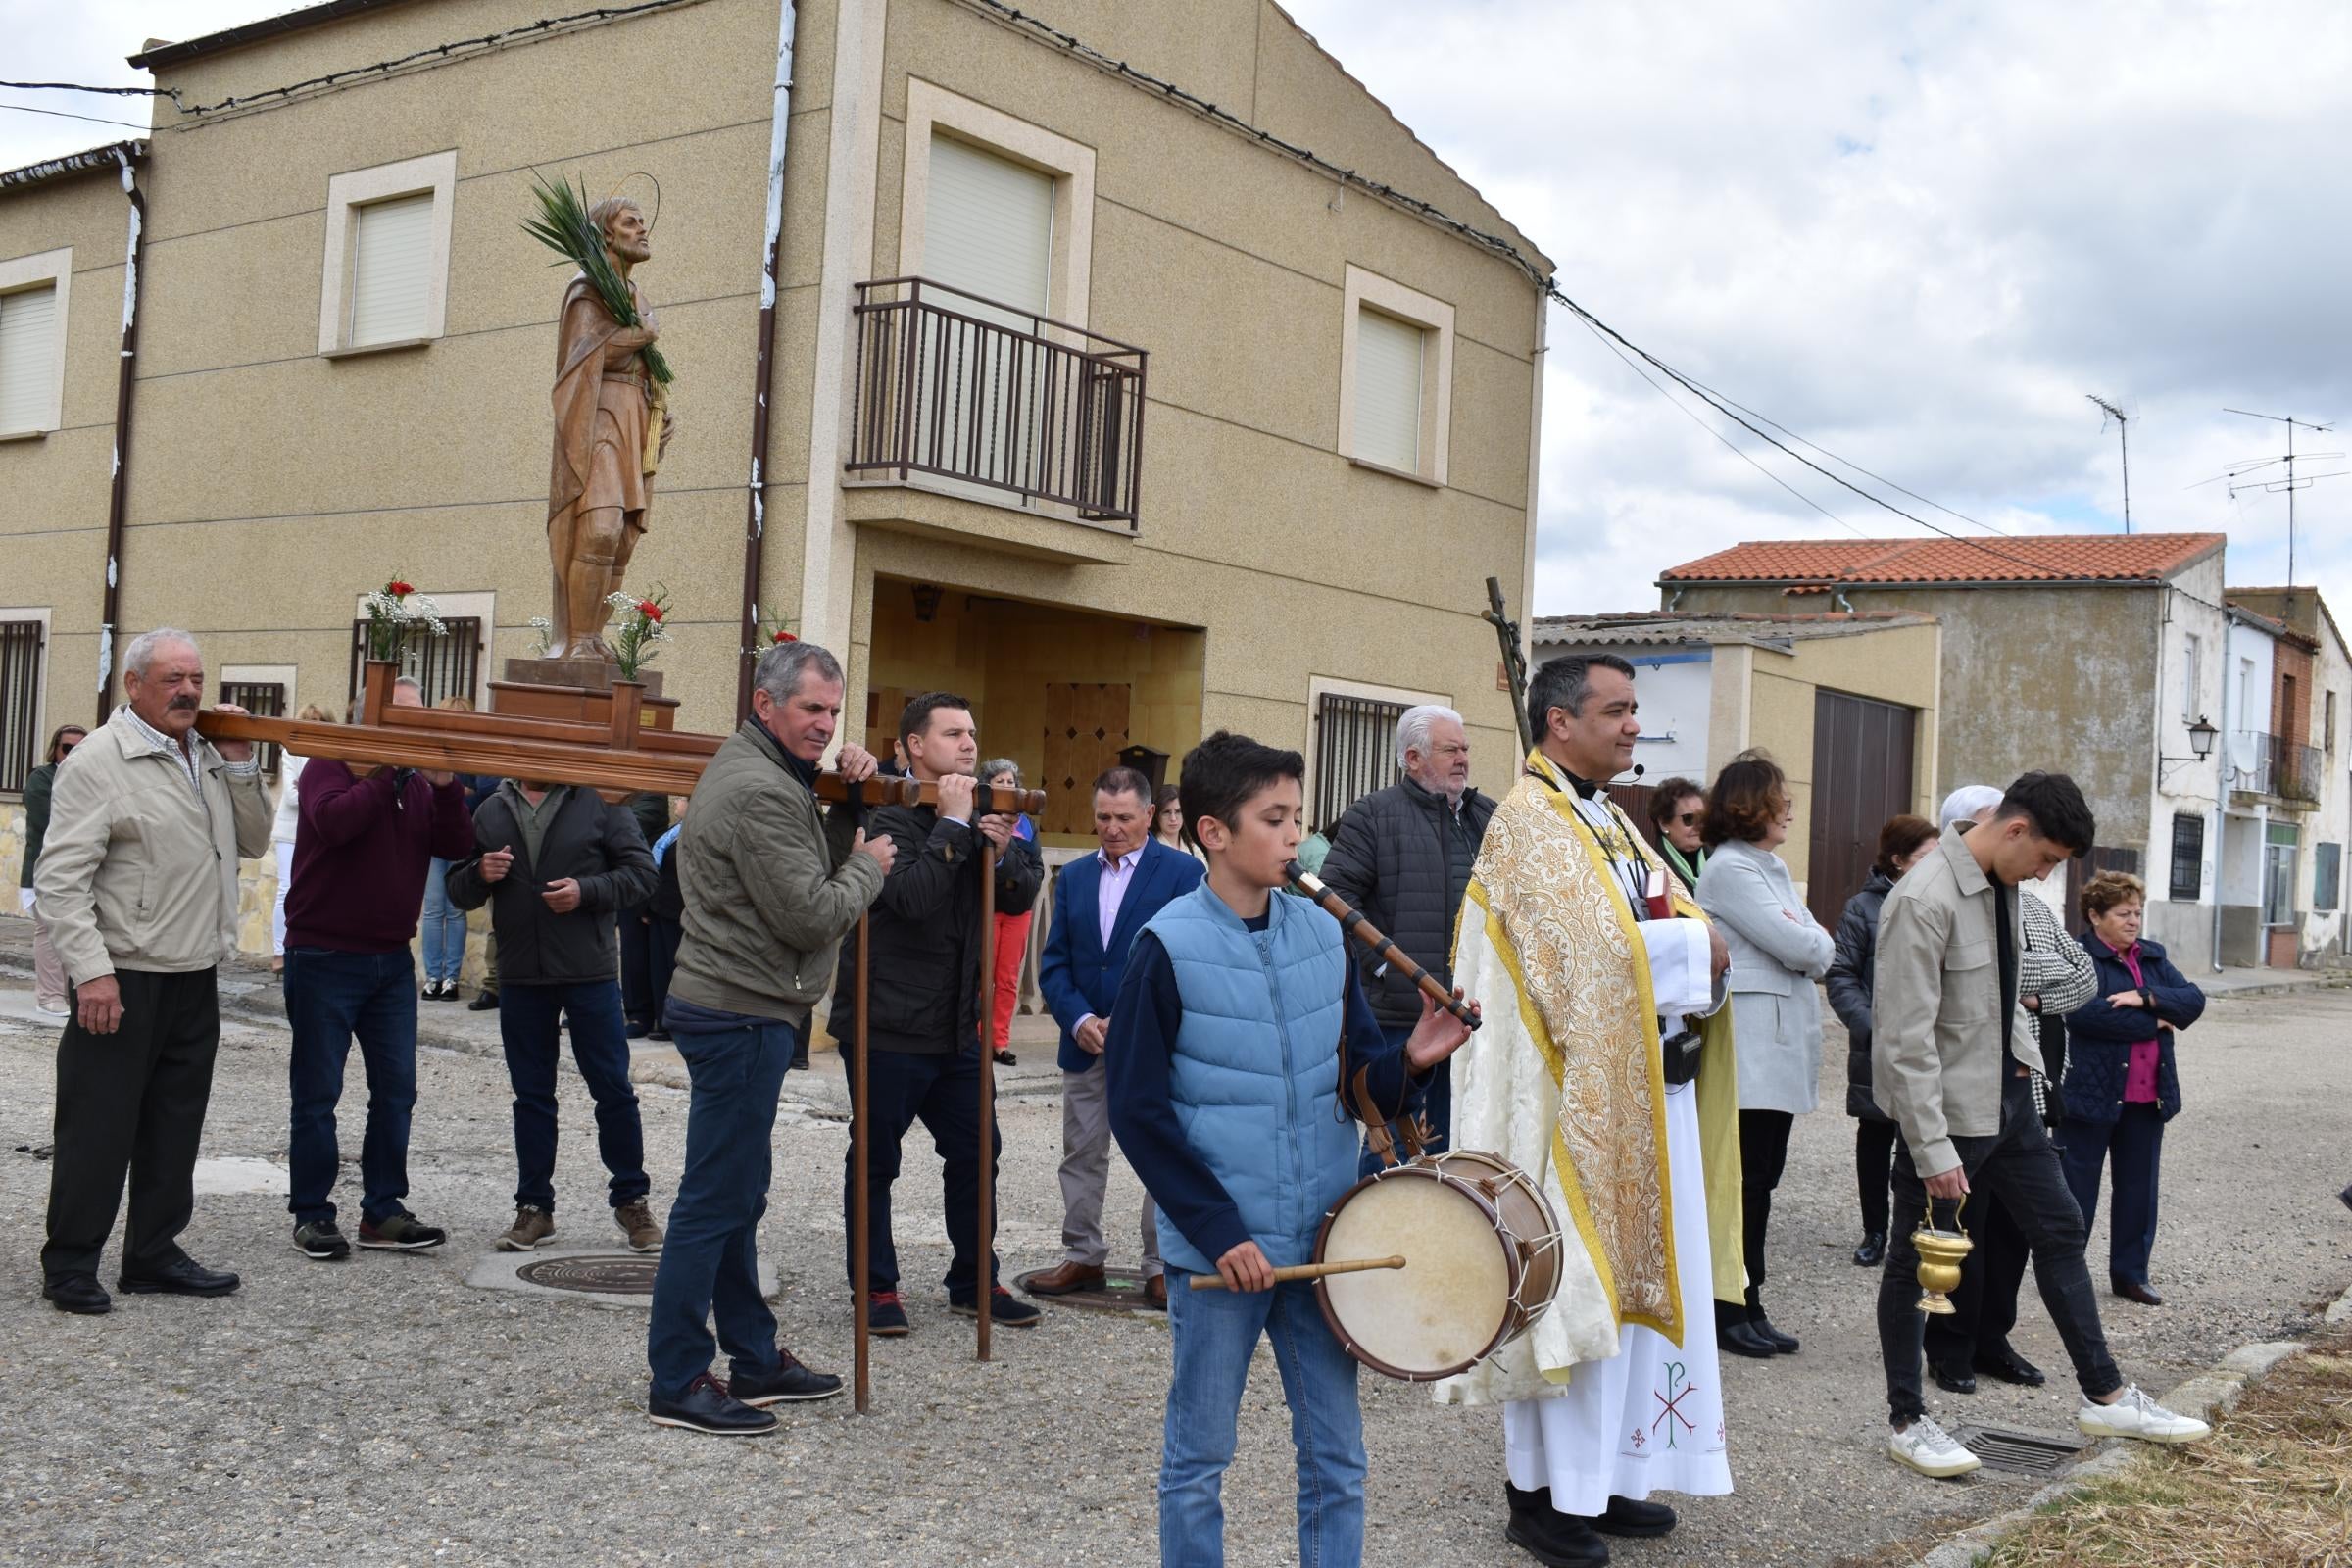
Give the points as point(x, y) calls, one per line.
point(607, 441)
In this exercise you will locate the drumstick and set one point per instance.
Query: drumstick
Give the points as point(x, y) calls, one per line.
point(1306, 1271)
point(1352, 920)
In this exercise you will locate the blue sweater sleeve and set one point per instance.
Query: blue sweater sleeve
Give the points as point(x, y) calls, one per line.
point(1143, 1112)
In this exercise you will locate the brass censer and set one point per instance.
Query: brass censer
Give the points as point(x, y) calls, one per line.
point(1940, 1254)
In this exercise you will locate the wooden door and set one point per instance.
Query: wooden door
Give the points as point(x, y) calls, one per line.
point(1085, 725)
point(1861, 776)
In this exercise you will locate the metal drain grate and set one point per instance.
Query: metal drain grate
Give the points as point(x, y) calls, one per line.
point(592, 1276)
point(2019, 1453)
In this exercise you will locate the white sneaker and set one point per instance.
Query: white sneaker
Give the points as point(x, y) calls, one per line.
point(55, 1010)
point(1930, 1450)
point(2134, 1415)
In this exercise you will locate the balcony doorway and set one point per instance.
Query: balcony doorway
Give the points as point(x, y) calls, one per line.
point(1060, 691)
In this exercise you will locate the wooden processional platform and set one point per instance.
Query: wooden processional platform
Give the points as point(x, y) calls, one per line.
point(619, 738)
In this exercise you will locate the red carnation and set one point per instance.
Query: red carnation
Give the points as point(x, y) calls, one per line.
point(786, 637)
point(398, 589)
point(649, 610)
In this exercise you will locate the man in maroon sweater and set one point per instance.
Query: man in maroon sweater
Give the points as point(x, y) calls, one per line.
point(361, 850)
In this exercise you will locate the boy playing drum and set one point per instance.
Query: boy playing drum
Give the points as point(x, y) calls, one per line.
point(1224, 1058)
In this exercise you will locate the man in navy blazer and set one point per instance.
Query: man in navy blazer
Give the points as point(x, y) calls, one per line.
point(1099, 904)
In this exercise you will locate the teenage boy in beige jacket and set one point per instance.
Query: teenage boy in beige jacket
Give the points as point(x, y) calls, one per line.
point(1950, 1064)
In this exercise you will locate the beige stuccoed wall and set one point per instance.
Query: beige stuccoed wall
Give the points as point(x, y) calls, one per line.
point(1228, 264)
point(53, 522)
point(273, 484)
point(1897, 665)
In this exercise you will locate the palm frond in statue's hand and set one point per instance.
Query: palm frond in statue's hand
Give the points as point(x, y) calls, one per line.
point(564, 227)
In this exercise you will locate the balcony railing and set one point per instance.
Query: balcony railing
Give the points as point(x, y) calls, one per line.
point(2280, 767)
point(951, 384)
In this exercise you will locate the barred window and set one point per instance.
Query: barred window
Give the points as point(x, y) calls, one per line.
point(1355, 753)
point(263, 699)
point(2189, 857)
point(21, 644)
point(445, 667)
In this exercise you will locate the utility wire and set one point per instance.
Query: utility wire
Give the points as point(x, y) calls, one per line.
point(76, 86)
point(1734, 447)
point(60, 114)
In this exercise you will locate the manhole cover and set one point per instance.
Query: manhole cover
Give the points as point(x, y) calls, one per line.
point(592, 1276)
point(2021, 1453)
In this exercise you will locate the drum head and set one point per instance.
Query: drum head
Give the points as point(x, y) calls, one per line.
point(1450, 1304)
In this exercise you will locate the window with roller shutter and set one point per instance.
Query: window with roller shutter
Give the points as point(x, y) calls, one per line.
point(1388, 391)
point(34, 292)
point(391, 254)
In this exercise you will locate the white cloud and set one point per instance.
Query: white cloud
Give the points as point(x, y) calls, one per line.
point(1916, 234)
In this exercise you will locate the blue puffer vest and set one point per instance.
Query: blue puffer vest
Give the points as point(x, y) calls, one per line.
point(1255, 1073)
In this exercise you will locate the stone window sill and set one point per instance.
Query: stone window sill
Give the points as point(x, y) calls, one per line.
point(355, 350)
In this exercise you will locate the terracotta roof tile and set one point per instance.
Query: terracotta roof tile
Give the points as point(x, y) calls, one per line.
point(1820, 563)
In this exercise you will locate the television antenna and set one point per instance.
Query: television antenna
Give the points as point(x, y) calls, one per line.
point(2290, 484)
point(2123, 433)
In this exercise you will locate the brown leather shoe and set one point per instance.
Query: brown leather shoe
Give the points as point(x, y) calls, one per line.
point(1156, 1291)
point(1067, 1280)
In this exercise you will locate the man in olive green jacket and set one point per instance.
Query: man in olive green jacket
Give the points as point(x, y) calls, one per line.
point(768, 896)
point(138, 884)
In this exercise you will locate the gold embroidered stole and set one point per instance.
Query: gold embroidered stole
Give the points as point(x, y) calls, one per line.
point(1556, 911)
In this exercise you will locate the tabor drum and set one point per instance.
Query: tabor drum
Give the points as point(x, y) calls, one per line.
point(1482, 1251)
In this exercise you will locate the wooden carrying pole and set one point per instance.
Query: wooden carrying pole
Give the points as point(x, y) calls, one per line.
point(987, 1264)
point(861, 1258)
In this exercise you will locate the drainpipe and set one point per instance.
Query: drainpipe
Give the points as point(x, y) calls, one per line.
point(118, 488)
point(755, 523)
point(2221, 795)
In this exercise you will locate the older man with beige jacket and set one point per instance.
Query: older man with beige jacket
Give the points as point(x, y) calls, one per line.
point(138, 880)
point(1951, 1065)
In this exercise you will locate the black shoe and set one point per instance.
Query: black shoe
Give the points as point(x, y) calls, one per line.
point(77, 1293)
point(1742, 1339)
point(789, 1383)
point(886, 1315)
point(658, 1035)
point(1552, 1538)
point(639, 1031)
point(1626, 1517)
point(1004, 1308)
point(706, 1406)
point(319, 1239)
point(1952, 1378)
point(2010, 1367)
point(1873, 1251)
point(800, 1057)
point(2135, 1291)
point(182, 1276)
point(1781, 1344)
point(1005, 1058)
point(2346, 1196)
point(400, 1233)
point(484, 1000)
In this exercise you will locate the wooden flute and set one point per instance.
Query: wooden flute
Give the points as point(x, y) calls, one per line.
point(1352, 920)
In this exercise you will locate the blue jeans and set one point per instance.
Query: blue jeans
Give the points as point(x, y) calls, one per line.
point(2136, 1139)
point(710, 1260)
point(443, 925)
point(1215, 1334)
point(1436, 1102)
point(332, 997)
point(528, 1024)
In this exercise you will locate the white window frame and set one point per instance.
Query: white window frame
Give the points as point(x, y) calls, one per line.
point(1434, 317)
point(435, 174)
point(29, 272)
point(40, 696)
point(1070, 164)
point(2193, 651)
point(1320, 686)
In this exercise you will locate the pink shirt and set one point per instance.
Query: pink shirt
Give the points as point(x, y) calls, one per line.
point(2140, 1079)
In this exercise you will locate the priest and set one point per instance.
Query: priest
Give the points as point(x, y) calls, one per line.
point(1605, 1072)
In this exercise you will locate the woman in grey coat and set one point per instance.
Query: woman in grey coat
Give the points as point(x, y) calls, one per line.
point(1777, 950)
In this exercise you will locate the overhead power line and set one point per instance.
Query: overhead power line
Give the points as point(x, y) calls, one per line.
point(60, 114)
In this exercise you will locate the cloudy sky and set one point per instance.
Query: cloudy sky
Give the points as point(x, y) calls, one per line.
point(1917, 234)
